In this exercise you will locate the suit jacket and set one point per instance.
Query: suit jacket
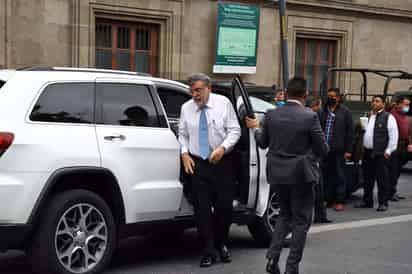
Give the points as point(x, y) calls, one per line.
point(292, 134)
point(343, 129)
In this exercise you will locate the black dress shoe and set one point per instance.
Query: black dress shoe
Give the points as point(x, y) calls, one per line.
point(394, 199)
point(292, 271)
point(322, 221)
point(364, 205)
point(225, 255)
point(207, 260)
point(382, 208)
point(399, 197)
point(272, 267)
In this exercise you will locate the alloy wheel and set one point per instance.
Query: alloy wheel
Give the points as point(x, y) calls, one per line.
point(81, 238)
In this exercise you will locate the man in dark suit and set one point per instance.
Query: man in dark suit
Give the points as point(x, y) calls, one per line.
point(292, 134)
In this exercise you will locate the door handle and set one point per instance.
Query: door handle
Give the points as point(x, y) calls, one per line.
point(115, 137)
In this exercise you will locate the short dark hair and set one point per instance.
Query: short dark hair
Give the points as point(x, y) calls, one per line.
point(400, 99)
point(380, 97)
point(296, 87)
point(312, 101)
point(336, 90)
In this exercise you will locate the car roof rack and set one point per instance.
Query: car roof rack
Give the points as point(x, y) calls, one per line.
point(92, 70)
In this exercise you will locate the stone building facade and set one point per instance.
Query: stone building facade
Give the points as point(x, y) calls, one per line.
point(179, 36)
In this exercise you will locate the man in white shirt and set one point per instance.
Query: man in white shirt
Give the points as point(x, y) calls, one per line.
point(379, 141)
point(208, 131)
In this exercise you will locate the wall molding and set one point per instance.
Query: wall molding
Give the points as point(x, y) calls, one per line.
point(349, 6)
point(343, 35)
point(83, 33)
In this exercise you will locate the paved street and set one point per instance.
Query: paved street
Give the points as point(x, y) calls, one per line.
point(348, 246)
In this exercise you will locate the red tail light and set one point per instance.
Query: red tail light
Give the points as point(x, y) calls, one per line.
point(6, 139)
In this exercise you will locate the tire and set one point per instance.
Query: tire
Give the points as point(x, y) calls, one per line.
point(262, 227)
point(61, 232)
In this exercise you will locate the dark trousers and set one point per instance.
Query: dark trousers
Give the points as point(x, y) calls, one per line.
point(213, 188)
point(376, 169)
point(296, 207)
point(397, 160)
point(334, 178)
point(320, 209)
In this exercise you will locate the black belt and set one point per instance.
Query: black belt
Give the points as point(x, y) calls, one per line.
point(228, 155)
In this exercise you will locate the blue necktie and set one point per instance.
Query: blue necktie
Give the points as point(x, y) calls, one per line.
point(203, 135)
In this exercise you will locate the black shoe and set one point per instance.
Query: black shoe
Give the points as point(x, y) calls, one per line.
point(207, 260)
point(322, 221)
point(382, 208)
point(293, 271)
point(364, 205)
point(272, 267)
point(225, 255)
point(394, 198)
point(399, 197)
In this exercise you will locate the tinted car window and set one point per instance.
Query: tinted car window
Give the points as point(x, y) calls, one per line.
point(65, 103)
point(260, 105)
point(126, 105)
point(172, 100)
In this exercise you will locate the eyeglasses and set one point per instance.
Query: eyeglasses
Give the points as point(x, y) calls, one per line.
point(198, 90)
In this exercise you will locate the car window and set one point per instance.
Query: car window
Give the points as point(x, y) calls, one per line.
point(65, 103)
point(126, 105)
point(260, 105)
point(172, 100)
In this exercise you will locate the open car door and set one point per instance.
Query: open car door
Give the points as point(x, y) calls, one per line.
point(253, 189)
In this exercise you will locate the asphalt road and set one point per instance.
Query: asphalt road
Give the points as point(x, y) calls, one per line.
point(381, 245)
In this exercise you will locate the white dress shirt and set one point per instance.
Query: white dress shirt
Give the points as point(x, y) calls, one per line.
point(223, 125)
point(392, 131)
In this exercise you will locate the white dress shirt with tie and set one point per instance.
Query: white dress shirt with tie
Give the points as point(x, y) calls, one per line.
point(392, 131)
point(223, 125)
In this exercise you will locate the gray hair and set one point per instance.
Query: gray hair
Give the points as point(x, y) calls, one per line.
point(199, 77)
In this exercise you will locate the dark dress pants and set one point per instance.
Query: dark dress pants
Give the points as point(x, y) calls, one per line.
point(213, 188)
point(296, 207)
point(334, 178)
point(397, 160)
point(320, 209)
point(376, 169)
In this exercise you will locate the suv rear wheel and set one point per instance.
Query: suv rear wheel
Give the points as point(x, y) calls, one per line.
point(77, 234)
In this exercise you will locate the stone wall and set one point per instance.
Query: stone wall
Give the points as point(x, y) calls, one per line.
point(61, 33)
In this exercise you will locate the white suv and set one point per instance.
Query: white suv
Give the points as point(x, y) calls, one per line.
point(89, 156)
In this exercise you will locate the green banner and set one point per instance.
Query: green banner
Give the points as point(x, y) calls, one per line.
point(237, 36)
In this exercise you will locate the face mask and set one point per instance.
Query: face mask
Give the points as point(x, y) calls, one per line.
point(405, 109)
point(331, 101)
point(281, 103)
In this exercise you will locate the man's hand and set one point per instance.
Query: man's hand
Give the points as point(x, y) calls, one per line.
point(217, 155)
point(252, 122)
point(188, 164)
point(409, 148)
point(347, 156)
point(386, 156)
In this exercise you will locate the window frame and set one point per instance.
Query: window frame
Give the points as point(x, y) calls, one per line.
point(44, 87)
point(176, 89)
point(153, 50)
point(331, 62)
point(162, 121)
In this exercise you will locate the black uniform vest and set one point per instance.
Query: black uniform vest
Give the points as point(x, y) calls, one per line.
point(380, 133)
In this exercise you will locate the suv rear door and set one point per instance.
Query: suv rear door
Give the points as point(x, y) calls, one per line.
point(138, 147)
point(257, 187)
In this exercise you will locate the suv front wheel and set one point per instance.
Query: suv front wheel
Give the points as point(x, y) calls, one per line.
point(76, 234)
point(262, 228)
